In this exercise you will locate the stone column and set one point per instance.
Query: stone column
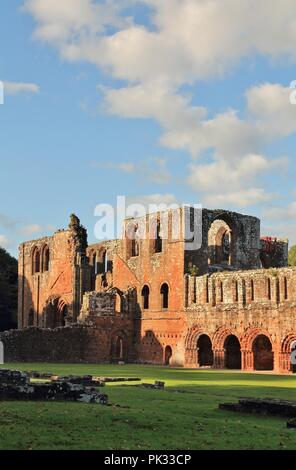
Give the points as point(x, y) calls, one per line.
point(247, 360)
point(191, 358)
point(284, 362)
point(219, 358)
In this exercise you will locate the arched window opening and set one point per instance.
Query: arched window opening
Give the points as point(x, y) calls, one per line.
point(236, 291)
point(46, 259)
point(263, 355)
point(269, 289)
point(145, 297)
point(244, 291)
point(233, 357)
point(168, 356)
point(252, 288)
point(221, 292)
point(36, 261)
point(135, 242)
point(205, 356)
point(164, 296)
point(102, 265)
point(119, 348)
point(221, 243)
point(285, 289)
point(94, 264)
point(158, 238)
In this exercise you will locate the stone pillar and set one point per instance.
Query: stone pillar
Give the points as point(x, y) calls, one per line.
point(219, 358)
point(247, 360)
point(276, 361)
point(284, 362)
point(191, 358)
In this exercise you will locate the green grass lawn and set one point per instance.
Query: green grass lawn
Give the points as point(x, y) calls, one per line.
point(156, 420)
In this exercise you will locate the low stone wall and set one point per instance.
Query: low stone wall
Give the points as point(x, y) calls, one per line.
point(66, 345)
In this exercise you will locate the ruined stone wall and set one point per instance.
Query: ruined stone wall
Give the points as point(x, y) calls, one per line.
point(35, 289)
point(54, 274)
point(274, 252)
point(95, 343)
point(246, 305)
point(245, 240)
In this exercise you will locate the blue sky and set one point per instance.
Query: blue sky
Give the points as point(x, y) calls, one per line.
point(155, 100)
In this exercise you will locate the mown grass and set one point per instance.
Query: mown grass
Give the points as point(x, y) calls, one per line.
point(185, 416)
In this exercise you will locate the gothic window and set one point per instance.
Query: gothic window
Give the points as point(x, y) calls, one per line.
point(252, 291)
point(145, 297)
point(158, 239)
point(36, 261)
point(46, 259)
point(164, 296)
point(269, 289)
point(135, 242)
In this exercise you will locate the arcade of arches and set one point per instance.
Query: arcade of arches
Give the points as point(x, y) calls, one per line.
point(226, 351)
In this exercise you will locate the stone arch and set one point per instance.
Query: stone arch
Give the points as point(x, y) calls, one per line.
point(285, 352)
point(220, 337)
point(250, 335)
point(36, 260)
point(119, 350)
point(102, 265)
point(145, 297)
point(168, 354)
point(263, 353)
point(205, 355)
point(156, 234)
point(45, 258)
point(233, 356)
point(191, 345)
point(286, 343)
point(55, 313)
point(164, 294)
point(222, 239)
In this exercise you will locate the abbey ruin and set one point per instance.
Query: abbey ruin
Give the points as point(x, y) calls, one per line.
point(230, 303)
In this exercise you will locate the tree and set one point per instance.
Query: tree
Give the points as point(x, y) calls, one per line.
point(292, 256)
point(8, 290)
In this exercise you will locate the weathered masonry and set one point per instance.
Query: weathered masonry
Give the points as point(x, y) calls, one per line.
point(149, 297)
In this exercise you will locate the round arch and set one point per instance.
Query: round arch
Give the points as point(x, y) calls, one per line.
point(233, 355)
point(222, 240)
point(119, 349)
point(263, 353)
point(191, 345)
point(205, 355)
point(220, 337)
point(250, 335)
point(168, 354)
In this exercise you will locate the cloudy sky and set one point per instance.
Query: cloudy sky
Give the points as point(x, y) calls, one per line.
point(165, 100)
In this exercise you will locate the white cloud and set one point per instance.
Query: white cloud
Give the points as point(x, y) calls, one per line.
point(287, 213)
point(15, 88)
point(185, 41)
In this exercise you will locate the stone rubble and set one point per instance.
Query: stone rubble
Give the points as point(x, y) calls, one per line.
point(264, 406)
point(156, 386)
point(16, 385)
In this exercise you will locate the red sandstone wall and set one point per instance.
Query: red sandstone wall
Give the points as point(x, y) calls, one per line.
point(36, 289)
